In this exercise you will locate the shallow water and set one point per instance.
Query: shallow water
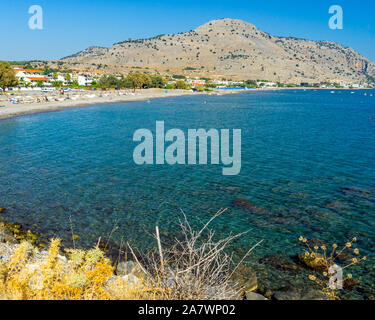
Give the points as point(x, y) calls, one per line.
point(308, 158)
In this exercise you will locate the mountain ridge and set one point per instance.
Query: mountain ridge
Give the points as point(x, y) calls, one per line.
point(232, 47)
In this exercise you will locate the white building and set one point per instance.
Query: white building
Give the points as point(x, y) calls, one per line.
point(29, 75)
point(62, 78)
point(268, 84)
point(84, 80)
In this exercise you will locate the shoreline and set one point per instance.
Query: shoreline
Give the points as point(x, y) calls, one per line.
point(11, 110)
point(16, 110)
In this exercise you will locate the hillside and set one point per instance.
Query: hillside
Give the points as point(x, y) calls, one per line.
point(232, 48)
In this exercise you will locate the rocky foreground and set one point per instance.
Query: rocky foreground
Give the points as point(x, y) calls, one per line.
point(121, 278)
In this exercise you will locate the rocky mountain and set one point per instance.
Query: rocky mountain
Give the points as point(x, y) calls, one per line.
point(232, 48)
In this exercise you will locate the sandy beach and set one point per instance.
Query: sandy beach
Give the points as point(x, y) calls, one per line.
point(35, 102)
point(20, 103)
point(29, 102)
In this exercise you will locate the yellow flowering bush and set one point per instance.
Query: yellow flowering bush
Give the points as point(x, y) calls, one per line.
point(319, 258)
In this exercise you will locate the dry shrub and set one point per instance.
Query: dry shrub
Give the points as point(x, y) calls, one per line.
point(196, 267)
point(81, 277)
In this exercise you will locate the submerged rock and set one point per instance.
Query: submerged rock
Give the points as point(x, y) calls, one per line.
point(293, 293)
point(2, 210)
point(279, 263)
point(298, 195)
point(344, 257)
point(283, 221)
point(312, 294)
point(335, 205)
point(356, 192)
point(250, 207)
point(351, 284)
point(288, 296)
point(226, 188)
point(315, 242)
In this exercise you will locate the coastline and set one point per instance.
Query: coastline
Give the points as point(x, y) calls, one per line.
point(23, 109)
point(16, 110)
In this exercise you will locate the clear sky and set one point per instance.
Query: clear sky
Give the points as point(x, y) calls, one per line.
point(73, 25)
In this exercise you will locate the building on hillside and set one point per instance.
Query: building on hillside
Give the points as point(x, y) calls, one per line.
point(221, 82)
point(84, 80)
point(268, 84)
point(31, 76)
point(197, 82)
point(62, 78)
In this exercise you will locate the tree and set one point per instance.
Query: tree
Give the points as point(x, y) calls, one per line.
point(57, 84)
point(108, 81)
point(55, 76)
point(147, 80)
point(180, 85)
point(39, 83)
point(178, 76)
point(157, 81)
point(251, 83)
point(68, 77)
point(138, 80)
point(7, 76)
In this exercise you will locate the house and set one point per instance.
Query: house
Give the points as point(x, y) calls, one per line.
point(198, 82)
point(268, 84)
point(62, 78)
point(84, 80)
point(31, 76)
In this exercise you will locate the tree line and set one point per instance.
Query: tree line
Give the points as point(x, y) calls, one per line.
point(134, 80)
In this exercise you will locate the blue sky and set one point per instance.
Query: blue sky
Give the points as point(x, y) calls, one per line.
point(70, 26)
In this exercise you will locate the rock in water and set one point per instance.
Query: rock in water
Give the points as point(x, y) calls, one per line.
point(288, 296)
point(2, 210)
point(316, 262)
point(6, 236)
point(355, 192)
point(314, 295)
point(344, 257)
point(279, 262)
point(247, 206)
point(335, 206)
point(246, 279)
point(350, 284)
point(254, 296)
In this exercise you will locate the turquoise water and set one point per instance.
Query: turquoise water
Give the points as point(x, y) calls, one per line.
point(308, 159)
